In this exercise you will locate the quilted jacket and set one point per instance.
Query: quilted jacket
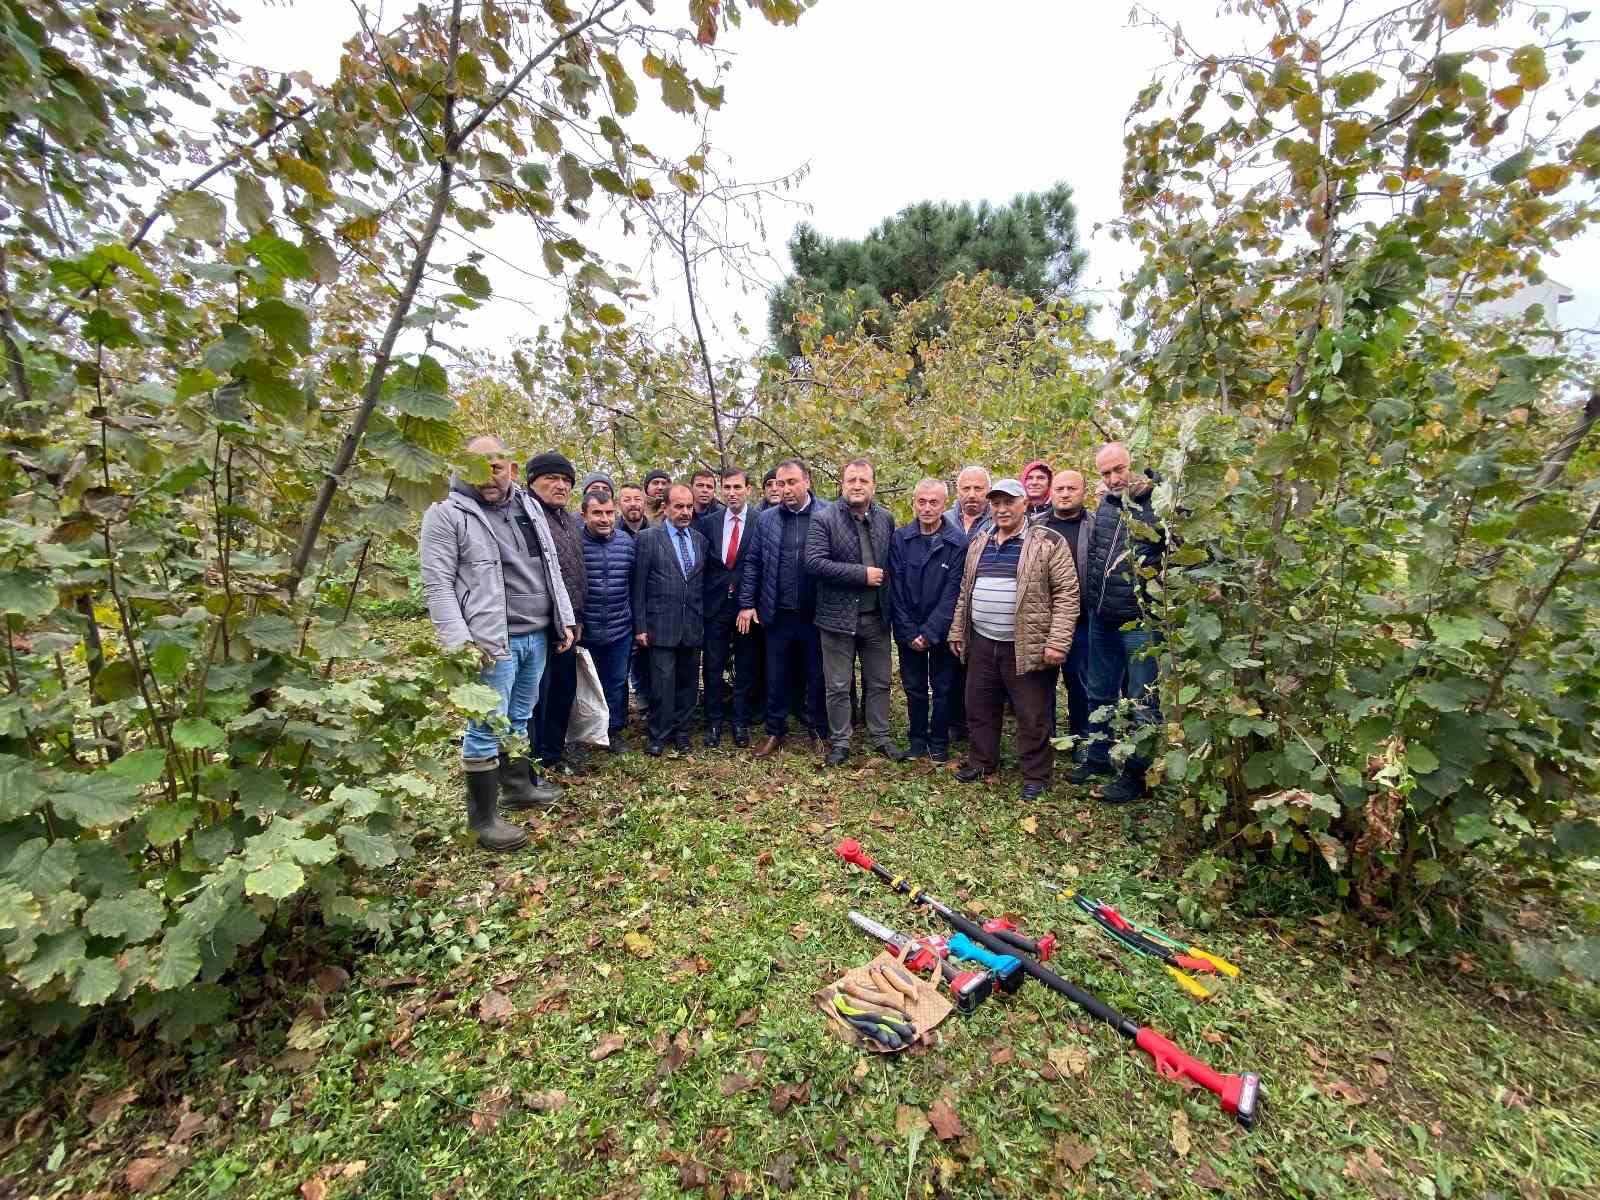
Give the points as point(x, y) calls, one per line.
point(1121, 523)
point(608, 598)
point(1047, 596)
point(833, 558)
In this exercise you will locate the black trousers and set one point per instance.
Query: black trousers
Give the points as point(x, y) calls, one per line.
point(724, 641)
point(794, 673)
point(923, 672)
point(557, 690)
point(674, 681)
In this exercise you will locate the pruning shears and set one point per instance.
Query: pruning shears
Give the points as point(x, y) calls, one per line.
point(1178, 957)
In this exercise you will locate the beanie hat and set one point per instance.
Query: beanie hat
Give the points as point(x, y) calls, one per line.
point(769, 476)
point(597, 477)
point(658, 473)
point(551, 462)
point(1037, 464)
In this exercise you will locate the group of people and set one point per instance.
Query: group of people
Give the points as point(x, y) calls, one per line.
point(991, 602)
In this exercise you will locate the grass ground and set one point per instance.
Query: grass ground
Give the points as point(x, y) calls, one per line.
point(622, 1009)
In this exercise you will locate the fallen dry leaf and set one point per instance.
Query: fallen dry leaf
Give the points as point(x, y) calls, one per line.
point(151, 1174)
point(907, 1119)
point(1001, 1057)
point(1180, 1132)
point(747, 1017)
point(189, 1124)
point(1204, 1175)
point(1367, 1169)
point(786, 1094)
point(495, 1007)
point(330, 979)
point(1341, 1089)
point(1029, 824)
point(637, 944)
point(1068, 1060)
point(545, 1101)
point(1212, 1036)
point(109, 1108)
point(783, 1172)
point(733, 1084)
point(490, 1108)
point(315, 1188)
point(692, 1175)
point(607, 1046)
point(1074, 1153)
point(944, 1122)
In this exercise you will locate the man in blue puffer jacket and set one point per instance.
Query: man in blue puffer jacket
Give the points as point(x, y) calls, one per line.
point(608, 615)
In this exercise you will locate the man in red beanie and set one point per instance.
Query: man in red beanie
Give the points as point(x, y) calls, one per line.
point(1036, 477)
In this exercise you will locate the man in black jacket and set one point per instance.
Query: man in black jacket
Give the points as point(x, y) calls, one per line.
point(778, 594)
point(669, 566)
point(847, 550)
point(551, 479)
point(727, 532)
point(1071, 520)
point(1126, 546)
point(926, 561)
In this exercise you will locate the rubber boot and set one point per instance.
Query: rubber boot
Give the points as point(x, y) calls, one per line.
point(483, 802)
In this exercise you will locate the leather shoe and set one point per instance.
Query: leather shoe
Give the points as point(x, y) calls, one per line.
point(837, 755)
point(971, 773)
point(892, 752)
point(1125, 789)
point(713, 737)
point(618, 744)
point(769, 747)
point(1032, 791)
point(741, 737)
point(683, 743)
point(655, 749)
point(1086, 772)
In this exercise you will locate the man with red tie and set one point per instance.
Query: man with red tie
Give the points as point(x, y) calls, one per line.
point(726, 530)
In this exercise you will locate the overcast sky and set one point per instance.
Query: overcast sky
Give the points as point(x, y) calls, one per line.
point(885, 102)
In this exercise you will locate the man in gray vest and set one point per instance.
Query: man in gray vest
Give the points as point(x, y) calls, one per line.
point(491, 577)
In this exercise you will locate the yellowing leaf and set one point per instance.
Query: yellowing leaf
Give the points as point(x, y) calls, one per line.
point(1549, 177)
point(1029, 824)
point(1180, 1132)
point(305, 176)
point(638, 944)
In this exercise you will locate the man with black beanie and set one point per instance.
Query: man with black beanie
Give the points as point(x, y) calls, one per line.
point(551, 478)
point(656, 484)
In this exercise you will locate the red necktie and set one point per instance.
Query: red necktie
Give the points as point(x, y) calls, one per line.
point(733, 545)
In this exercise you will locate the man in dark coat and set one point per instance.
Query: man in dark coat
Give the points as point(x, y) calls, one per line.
point(727, 532)
point(608, 608)
point(776, 592)
point(926, 558)
point(669, 617)
point(704, 486)
point(1126, 545)
point(847, 551)
point(1071, 520)
point(551, 479)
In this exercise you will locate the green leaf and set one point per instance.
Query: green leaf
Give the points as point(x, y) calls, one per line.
point(1581, 956)
point(198, 215)
point(21, 787)
point(180, 960)
point(1577, 837)
point(29, 594)
point(546, 136)
point(279, 880)
point(1449, 694)
point(251, 201)
point(574, 177)
point(368, 850)
point(343, 640)
point(421, 390)
point(168, 660)
point(1355, 86)
point(196, 733)
point(280, 256)
point(1512, 169)
point(1420, 759)
point(676, 93)
point(1474, 827)
point(1529, 66)
point(285, 323)
point(472, 281)
point(103, 798)
point(475, 699)
point(553, 261)
point(610, 314)
point(42, 867)
point(116, 681)
point(169, 822)
point(406, 459)
point(59, 954)
point(271, 631)
point(134, 917)
point(98, 981)
point(1456, 631)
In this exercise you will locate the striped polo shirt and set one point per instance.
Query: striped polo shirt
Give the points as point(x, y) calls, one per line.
point(994, 590)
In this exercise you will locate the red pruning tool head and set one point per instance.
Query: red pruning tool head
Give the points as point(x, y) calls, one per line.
point(851, 852)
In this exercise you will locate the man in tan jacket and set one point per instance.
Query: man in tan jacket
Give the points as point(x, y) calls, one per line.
point(1014, 623)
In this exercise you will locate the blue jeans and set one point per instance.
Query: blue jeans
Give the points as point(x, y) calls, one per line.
point(611, 664)
point(794, 673)
point(516, 678)
point(1117, 668)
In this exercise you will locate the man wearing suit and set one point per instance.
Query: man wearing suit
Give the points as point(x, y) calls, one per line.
point(669, 617)
point(727, 531)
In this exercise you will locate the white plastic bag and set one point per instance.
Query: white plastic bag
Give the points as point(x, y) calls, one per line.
point(591, 719)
